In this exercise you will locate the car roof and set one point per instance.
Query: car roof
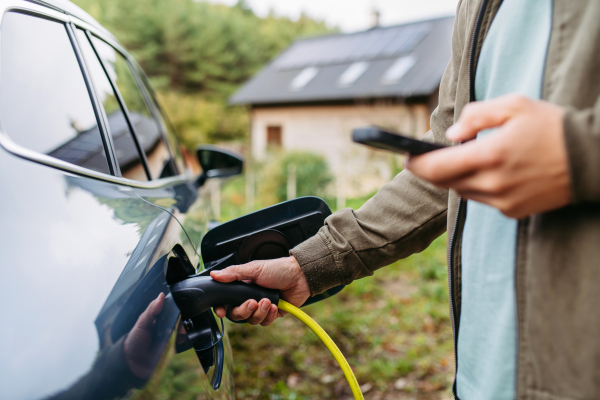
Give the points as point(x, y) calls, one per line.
point(71, 9)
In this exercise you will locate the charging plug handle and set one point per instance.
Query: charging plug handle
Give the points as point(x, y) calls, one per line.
point(197, 294)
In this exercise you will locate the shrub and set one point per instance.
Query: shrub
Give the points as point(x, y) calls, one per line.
point(312, 176)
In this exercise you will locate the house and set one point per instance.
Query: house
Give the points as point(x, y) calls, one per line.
point(313, 94)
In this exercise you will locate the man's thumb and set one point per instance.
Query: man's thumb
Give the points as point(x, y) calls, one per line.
point(235, 273)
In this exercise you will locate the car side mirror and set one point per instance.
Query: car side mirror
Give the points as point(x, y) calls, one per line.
point(217, 162)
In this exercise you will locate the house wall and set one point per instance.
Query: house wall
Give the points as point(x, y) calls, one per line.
point(327, 130)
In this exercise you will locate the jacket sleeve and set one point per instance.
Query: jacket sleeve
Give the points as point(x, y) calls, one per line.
point(403, 218)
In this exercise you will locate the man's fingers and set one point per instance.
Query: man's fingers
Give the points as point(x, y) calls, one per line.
point(271, 317)
point(489, 182)
point(441, 166)
point(221, 311)
point(244, 311)
point(264, 306)
point(263, 313)
point(481, 115)
point(249, 272)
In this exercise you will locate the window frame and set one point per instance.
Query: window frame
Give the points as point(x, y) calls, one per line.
point(135, 69)
point(274, 129)
point(121, 102)
point(160, 115)
point(71, 22)
point(96, 104)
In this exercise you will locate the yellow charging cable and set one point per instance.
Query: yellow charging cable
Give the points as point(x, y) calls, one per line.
point(337, 354)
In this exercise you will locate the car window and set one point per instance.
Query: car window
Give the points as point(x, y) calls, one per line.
point(127, 154)
point(44, 102)
point(146, 127)
point(174, 144)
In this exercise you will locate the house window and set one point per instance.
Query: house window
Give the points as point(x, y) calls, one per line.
point(273, 136)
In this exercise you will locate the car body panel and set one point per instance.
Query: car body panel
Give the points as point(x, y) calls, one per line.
point(67, 241)
point(84, 260)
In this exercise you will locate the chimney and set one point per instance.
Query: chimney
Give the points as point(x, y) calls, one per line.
point(374, 18)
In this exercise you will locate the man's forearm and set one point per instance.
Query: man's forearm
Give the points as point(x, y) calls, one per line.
point(403, 218)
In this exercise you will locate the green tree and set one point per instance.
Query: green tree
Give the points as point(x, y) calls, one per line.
point(198, 46)
point(197, 54)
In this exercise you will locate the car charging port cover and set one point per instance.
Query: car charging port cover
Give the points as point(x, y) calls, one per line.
point(263, 235)
point(264, 245)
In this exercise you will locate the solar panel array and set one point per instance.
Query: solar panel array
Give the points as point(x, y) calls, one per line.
point(365, 46)
point(395, 62)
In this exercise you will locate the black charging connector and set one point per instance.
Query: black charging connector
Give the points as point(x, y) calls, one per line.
point(197, 294)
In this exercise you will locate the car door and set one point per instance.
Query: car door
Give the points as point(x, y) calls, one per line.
point(85, 305)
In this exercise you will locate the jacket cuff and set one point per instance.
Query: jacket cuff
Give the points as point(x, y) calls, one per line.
point(583, 150)
point(317, 264)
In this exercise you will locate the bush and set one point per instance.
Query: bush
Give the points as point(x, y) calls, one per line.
point(312, 176)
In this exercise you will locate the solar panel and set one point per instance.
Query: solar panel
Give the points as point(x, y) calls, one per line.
point(363, 46)
point(331, 51)
point(368, 40)
point(407, 40)
point(404, 61)
point(412, 41)
point(344, 48)
point(386, 38)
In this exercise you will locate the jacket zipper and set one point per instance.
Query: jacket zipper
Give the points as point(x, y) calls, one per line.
point(453, 317)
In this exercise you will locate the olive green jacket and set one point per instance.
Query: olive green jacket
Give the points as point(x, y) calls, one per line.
point(558, 253)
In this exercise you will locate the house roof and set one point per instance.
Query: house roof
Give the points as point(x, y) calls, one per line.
point(400, 61)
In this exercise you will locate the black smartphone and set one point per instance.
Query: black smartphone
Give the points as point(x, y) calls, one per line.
point(377, 137)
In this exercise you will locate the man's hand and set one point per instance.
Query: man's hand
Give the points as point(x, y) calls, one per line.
point(284, 274)
point(521, 169)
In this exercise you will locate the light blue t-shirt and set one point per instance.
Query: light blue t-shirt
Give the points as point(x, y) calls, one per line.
point(511, 61)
